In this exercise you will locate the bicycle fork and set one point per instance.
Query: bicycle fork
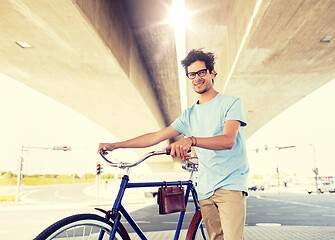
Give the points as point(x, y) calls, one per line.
point(115, 214)
point(117, 206)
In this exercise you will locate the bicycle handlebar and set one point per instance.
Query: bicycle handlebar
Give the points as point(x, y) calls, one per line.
point(129, 165)
point(187, 164)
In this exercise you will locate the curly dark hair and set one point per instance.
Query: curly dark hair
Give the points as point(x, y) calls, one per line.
point(199, 55)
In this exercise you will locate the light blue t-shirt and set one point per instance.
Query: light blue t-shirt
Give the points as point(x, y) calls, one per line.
point(227, 169)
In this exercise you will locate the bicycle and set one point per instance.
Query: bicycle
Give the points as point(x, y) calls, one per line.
point(92, 226)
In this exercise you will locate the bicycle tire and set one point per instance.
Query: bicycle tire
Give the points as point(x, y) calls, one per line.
point(197, 230)
point(81, 226)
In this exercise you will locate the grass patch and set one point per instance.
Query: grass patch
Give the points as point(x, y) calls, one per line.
point(8, 180)
point(50, 181)
point(7, 198)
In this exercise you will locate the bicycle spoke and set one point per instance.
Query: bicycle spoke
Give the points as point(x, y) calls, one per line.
point(83, 232)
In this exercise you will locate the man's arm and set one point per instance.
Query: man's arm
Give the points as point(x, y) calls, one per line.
point(225, 141)
point(145, 140)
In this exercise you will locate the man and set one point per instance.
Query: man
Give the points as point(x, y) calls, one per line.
point(213, 126)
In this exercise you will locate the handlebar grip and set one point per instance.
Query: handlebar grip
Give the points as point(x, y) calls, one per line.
point(102, 151)
point(168, 151)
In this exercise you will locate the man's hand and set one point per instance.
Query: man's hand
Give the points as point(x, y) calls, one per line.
point(107, 147)
point(181, 147)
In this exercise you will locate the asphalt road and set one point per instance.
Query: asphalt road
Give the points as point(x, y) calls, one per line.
point(262, 208)
point(41, 206)
point(58, 194)
point(291, 209)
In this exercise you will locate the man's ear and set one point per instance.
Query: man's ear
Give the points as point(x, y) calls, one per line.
point(213, 73)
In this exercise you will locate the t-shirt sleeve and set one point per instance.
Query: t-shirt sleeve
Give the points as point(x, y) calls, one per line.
point(235, 112)
point(180, 124)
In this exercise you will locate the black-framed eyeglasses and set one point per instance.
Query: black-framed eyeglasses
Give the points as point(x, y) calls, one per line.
point(201, 73)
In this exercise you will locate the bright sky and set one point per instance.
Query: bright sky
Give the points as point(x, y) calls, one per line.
point(311, 121)
point(29, 118)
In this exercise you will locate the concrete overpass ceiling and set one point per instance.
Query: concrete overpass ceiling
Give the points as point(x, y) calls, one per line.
point(283, 59)
point(68, 61)
point(115, 61)
point(154, 37)
point(219, 27)
point(76, 58)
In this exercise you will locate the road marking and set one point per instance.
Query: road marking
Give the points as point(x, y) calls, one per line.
point(251, 213)
point(268, 224)
point(301, 214)
point(289, 207)
point(273, 214)
point(293, 202)
point(316, 211)
point(169, 222)
point(59, 196)
point(24, 196)
point(142, 222)
point(328, 215)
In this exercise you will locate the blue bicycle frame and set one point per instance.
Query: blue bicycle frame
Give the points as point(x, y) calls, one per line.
point(117, 207)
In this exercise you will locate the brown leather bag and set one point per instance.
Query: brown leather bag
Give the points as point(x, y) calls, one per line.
point(171, 199)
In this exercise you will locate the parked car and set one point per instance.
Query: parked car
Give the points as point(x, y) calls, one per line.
point(322, 187)
point(253, 188)
point(332, 189)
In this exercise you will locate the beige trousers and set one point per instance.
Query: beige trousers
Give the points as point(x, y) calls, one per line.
point(224, 214)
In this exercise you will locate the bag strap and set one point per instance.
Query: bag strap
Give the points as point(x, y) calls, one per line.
point(181, 185)
point(165, 187)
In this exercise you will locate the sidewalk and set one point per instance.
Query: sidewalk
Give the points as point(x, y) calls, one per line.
point(263, 233)
point(289, 232)
point(136, 200)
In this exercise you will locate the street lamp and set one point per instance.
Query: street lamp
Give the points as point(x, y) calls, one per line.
point(278, 148)
point(277, 169)
point(315, 170)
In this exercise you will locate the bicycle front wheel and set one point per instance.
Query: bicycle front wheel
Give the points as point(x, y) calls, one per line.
point(197, 230)
point(81, 226)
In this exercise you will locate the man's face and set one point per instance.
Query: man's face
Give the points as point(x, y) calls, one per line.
point(200, 84)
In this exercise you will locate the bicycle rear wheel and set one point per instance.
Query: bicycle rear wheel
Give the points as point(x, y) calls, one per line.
point(197, 230)
point(81, 226)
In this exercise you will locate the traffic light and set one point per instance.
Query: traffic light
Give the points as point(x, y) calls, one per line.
point(99, 169)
